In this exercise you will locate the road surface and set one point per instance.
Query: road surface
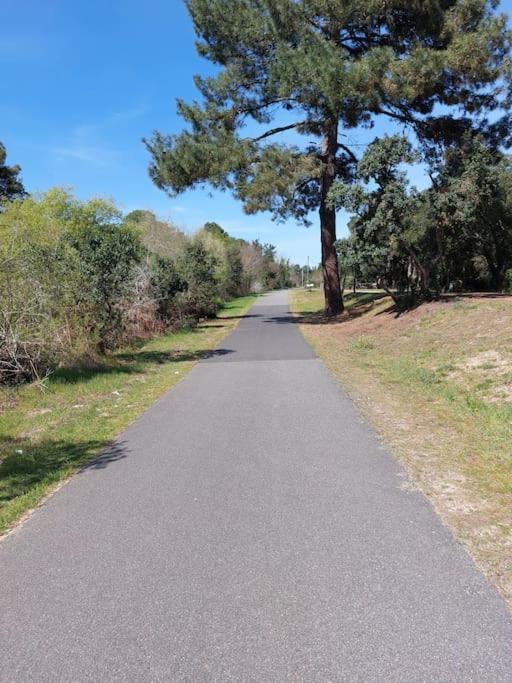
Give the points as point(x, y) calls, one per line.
point(248, 527)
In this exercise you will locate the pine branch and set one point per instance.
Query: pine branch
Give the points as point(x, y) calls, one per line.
point(279, 129)
point(403, 118)
point(348, 151)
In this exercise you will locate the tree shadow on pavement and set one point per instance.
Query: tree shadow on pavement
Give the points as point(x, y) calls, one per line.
point(161, 357)
point(131, 363)
point(239, 317)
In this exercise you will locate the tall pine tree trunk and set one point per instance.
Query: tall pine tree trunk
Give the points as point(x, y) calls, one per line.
point(332, 289)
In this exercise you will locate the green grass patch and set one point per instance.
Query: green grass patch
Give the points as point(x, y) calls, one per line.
point(48, 433)
point(237, 307)
point(363, 343)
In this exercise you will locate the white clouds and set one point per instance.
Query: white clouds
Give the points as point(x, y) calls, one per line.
point(83, 144)
point(82, 152)
point(88, 142)
point(129, 114)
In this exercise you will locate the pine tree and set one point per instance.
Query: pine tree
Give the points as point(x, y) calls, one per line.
point(318, 68)
point(11, 186)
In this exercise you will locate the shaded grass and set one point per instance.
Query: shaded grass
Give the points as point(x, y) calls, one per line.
point(310, 304)
point(46, 435)
point(445, 413)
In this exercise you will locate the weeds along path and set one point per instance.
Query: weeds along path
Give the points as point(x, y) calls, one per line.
point(249, 526)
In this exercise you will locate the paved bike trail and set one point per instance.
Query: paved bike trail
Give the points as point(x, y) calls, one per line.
point(248, 527)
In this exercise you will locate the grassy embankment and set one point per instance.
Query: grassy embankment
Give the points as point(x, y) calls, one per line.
point(48, 434)
point(437, 384)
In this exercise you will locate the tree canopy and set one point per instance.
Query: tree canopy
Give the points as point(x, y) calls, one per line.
point(317, 68)
point(455, 234)
point(11, 186)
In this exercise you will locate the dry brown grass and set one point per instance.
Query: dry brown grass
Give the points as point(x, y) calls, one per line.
point(437, 384)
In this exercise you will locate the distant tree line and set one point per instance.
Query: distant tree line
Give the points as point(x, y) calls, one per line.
point(79, 279)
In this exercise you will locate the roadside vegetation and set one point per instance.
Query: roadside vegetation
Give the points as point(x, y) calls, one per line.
point(437, 383)
point(47, 435)
point(79, 280)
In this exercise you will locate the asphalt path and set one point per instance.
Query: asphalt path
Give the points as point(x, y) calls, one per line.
point(248, 527)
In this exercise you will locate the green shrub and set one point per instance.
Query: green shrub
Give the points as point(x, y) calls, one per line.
point(508, 281)
point(166, 283)
point(41, 324)
point(197, 267)
point(65, 266)
point(109, 251)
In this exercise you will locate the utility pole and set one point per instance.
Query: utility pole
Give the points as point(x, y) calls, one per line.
point(308, 271)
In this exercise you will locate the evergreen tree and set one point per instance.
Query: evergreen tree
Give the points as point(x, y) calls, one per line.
point(457, 234)
point(11, 186)
point(316, 68)
point(470, 211)
point(215, 229)
point(383, 205)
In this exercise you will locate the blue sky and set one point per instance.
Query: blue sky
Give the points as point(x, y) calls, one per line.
point(84, 81)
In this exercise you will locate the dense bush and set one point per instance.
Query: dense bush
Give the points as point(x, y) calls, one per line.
point(508, 281)
point(197, 265)
point(107, 254)
point(166, 283)
point(65, 266)
point(77, 279)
